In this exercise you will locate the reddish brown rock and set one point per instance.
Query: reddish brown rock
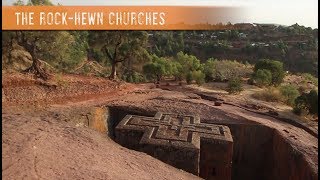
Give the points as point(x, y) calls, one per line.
point(218, 103)
point(181, 141)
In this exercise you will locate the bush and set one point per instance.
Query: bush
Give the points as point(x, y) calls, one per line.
point(307, 102)
point(289, 93)
point(188, 63)
point(234, 86)
point(271, 94)
point(262, 77)
point(224, 70)
point(158, 68)
point(199, 77)
point(308, 77)
point(313, 102)
point(209, 69)
point(300, 107)
point(189, 78)
point(134, 77)
point(153, 71)
point(60, 80)
point(177, 70)
point(275, 67)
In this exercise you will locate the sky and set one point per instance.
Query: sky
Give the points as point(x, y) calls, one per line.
point(284, 12)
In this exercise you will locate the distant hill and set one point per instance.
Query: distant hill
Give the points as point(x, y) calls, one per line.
point(296, 46)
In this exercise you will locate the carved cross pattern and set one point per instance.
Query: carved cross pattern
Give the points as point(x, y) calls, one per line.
point(173, 130)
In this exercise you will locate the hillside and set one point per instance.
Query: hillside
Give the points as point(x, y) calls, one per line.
point(295, 45)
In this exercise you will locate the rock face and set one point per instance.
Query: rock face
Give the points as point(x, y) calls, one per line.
point(181, 141)
point(252, 151)
point(288, 163)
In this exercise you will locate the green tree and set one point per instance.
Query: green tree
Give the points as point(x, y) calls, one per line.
point(210, 70)
point(158, 68)
point(154, 71)
point(176, 69)
point(61, 49)
point(283, 47)
point(40, 3)
point(34, 3)
point(189, 78)
point(8, 38)
point(262, 77)
point(19, 3)
point(77, 51)
point(188, 64)
point(120, 46)
point(198, 76)
point(47, 45)
point(167, 43)
point(275, 67)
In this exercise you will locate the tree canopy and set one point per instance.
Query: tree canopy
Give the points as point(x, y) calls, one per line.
point(120, 46)
point(275, 67)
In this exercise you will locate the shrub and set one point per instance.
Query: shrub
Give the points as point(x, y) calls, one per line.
point(189, 78)
point(153, 71)
point(60, 81)
point(262, 77)
point(234, 86)
point(199, 77)
point(138, 78)
point(209, 69)
point(188, 63)
point(275, 67)
point(300, 106)
point(308, 77)
point(307, 102)
point(313, 102)
point(289, 93)
point(177, 70)
point(134, 77)
point(224, 70)
point(157, 68)
point(271, 94)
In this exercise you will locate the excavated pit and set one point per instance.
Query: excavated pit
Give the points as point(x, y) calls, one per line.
point(259, 152)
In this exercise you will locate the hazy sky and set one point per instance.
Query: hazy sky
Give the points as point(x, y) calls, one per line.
point(285, 12)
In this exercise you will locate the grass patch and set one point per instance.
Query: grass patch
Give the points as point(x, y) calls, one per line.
point(271, 94)
point(60, 81)
point(309, 78)
point(286, 94)
point(234, 86)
